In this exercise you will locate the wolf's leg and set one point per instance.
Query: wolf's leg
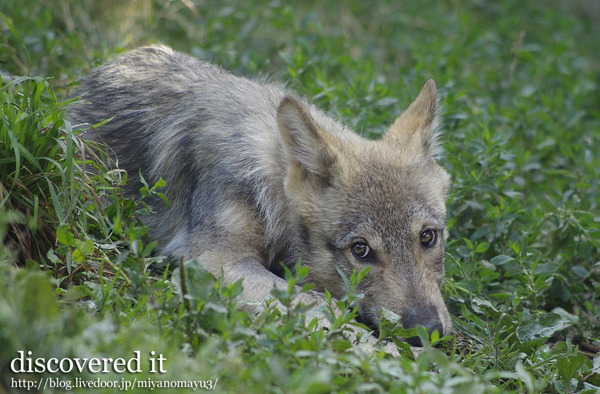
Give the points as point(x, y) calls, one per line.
point(258, 280)
point(231, 237)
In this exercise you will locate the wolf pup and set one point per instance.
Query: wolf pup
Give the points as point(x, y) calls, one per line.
point(257, 177)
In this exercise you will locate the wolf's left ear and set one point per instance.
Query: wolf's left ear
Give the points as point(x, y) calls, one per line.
point(306, 145)
point(415, 130)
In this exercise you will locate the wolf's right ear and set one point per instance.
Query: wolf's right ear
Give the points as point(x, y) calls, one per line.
point(415, 131)
point(306, 145)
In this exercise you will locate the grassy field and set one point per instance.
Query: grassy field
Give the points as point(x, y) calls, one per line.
point(520, 89)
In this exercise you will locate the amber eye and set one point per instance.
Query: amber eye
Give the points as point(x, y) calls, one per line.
point(362, 251)
point(428, 238)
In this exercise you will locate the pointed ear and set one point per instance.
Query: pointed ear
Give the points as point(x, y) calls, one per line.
point(306, 145)
point(415, 130)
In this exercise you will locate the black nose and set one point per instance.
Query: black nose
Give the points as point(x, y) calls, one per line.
point(416, 341)
point(425, 316)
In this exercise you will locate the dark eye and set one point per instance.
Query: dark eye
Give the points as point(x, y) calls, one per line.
point(428, 238)
point(362, 251)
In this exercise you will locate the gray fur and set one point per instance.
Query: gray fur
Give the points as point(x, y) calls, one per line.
point(256, 177)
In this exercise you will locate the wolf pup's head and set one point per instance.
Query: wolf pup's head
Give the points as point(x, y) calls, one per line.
point(381, 203)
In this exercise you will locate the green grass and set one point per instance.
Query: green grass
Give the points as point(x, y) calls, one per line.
point(520, 88)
